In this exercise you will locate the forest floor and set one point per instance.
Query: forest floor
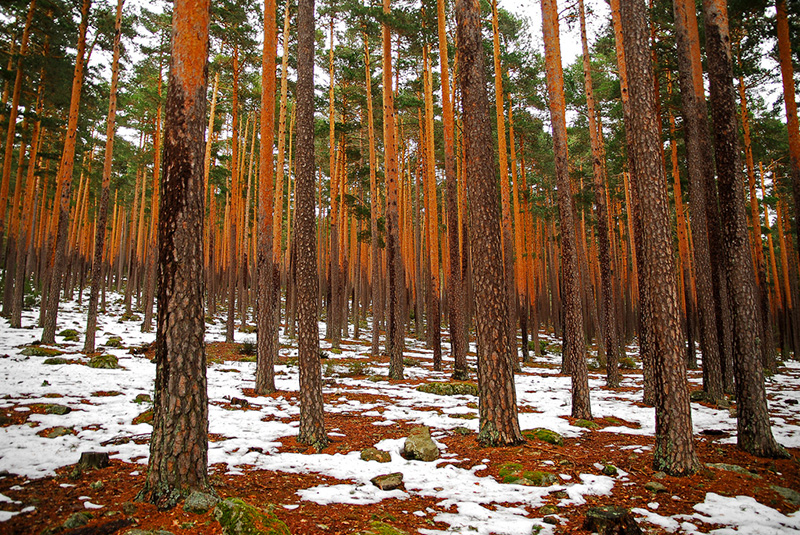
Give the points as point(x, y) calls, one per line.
point(254, 455)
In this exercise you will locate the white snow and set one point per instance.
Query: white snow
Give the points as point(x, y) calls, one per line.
point(466, 501)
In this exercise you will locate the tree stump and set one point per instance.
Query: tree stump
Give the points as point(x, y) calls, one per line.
point(611, 520)
point(93, 459)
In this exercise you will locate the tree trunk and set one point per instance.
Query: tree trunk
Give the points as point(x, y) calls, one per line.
point(575, 350)
point(65, 185)
point(499, 424)
point(102, 216)
point(312, 424)
point(395, 323)
point(674, 449)
point(268, 276)
point(792, 125)
point(754, 433)
point(179, 442)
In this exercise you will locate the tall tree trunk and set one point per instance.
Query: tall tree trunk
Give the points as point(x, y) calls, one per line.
point(575, 350)
point(235, 200)
point(102, 216)
point(65, 185)
point(395, 323)
point(754, 433)
point(792, 125)
point(700, 167)
point(12, 120)
point(498, 424)
point(674, 449)
point(268, 276)
point(455, 292)
point(179, 443)
point(312, 424)
point(609, 319)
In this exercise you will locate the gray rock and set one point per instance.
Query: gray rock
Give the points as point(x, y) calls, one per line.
point(655, 486)
point(553, 521)
point(790, 495)
point(536, 478)
point(659, 475)
point(548, 510)
point(77, 520)
point(733, 468)
point(199, 502)
point(374, 454)
point(420, 446)
point(55, 408)
point(388, 481)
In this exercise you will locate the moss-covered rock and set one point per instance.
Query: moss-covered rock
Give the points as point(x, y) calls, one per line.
point(374, 454)
point(449, 389)
point(240, 518)
point(69, 333)
point(57, 409)
point(586, 424)
point(380, 528)
point(104, 361)
point(142, 398)
point(545, 435)
point(516, 474)
point(41, 351)
point(114, 341)
point(55, 360)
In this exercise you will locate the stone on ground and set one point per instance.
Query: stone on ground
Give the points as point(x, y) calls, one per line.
point(388, 481)
point(611, 520)
point(420, 446)
point(240, 518)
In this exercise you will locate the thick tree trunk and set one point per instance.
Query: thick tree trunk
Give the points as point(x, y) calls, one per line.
point(499, 424)
point(792, 125)
point(754, 432)
point(179, 443)
point(674, 449)
point(312, 424)
point(575, 350)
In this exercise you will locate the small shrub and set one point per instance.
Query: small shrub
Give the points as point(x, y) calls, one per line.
point(104, 361)
point(627, 363)
point(248, 347)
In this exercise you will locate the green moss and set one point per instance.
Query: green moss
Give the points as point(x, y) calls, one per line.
point(515, 473)
point(56, 360)
point(545, 435)
point(507, 469)
point(39, 351)
point(409, 362)
point(336, 351)
point(145, 418)
point(587, 424)
point(240, 518)
point(627, 363)
point(68, 332)
point(104, 361)
point(114, 341)
point(449, 389)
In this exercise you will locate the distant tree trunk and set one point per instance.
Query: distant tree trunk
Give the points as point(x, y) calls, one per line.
point(268, 276)
point(499, 424)
point(65, 186)
point(754, 433)
point(179, 443)
point(333, 325)
point(674, 450)
point(12, 120)
point(235, 200)
point(792, 125)
point(100, 233)
point(395, 323)
point(374, 209)
point(575, 350)
point(609, 319)
point(312, 424)
point(455, 292)
point(700, 165)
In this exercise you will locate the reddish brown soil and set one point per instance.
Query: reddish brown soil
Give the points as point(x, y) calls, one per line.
point(55, 503)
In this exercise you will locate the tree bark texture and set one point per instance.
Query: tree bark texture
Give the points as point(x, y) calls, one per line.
point(312, 424)
point(575, 350)
point(674, 449)
point(499, 424)
point(179, 442)
point(754, 433)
